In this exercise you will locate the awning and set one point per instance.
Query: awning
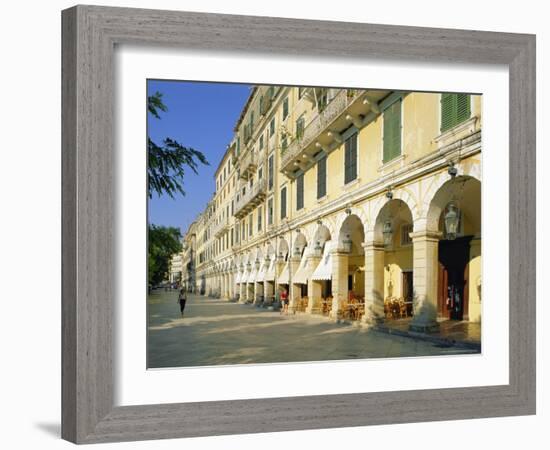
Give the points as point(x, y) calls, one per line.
point(252, 275)
point(283, 277)
point(261, 273)
point(270, 272)
point(304, 271)
point(324, 269)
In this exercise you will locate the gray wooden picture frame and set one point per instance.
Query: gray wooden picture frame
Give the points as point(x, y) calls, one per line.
point(89, 36)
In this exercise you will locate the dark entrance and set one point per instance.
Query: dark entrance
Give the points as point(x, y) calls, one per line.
point(453, 278)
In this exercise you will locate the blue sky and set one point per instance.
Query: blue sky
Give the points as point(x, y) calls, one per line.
point(202, 116)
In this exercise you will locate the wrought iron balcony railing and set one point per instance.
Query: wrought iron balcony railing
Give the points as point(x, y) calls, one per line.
point(252, 197)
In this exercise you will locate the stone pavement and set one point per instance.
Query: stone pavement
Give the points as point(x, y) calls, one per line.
point(216, 332)
point(451, 332)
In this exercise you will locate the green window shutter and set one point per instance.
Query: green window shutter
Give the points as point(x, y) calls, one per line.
point(350, 159)
point(270, 172)
point(285, 108)
point(455, 109)
point(448, 111)
point(322, 177)
point(392, 131)
point(300, 192)
point(283, 203)
point(462, 107)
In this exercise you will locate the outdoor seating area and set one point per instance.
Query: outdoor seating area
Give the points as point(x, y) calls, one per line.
point(397, 308)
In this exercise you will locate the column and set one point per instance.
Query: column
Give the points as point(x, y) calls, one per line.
point(374, 283)
point(313, 288)
point(280, 263)
point(474, 280)
point(339, 282)
point(295, 290)
point(268, 291)
point(425, 273)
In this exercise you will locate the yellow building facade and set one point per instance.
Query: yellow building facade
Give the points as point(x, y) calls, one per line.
point(361, 204)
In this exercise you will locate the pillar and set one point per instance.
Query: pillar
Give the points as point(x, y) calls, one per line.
point(339, 282)
point(425, 273)
point(268, 290)
point(474, 280)
point(374, 282)
point(313, 288)
point(295, 290)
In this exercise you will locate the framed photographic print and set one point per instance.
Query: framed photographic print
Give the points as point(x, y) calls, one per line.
point(326, 224)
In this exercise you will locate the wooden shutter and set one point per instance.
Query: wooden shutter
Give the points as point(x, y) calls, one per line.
point(455, 109)
point(270, 172)
point(322, 177)
point(350, 159)
point(283, 203)
point(392, 131)
point(300, 192)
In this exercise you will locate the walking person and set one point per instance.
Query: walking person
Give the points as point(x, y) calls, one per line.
point(182, 299)
point(284, 301)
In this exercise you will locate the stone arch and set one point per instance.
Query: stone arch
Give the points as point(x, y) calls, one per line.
point(404, 194)
point(395, 211)
point(299, 243)
point(456, 189)
point(352, 229)
point(358, 211)
point(282, 247)
point(465, 168)
point(322, 235)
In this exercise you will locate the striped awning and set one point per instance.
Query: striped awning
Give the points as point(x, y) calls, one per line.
point(324, 269)
point(270, 271)
point(261, 273)
point(252, 275)
point(304, 271)
point(284, 275)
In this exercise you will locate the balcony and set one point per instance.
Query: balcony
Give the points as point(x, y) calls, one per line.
point(253, 197)
point(347, 107)
point(248, 164)
point(219, 228)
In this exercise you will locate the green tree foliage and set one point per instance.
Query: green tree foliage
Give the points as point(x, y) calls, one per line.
point(163, 243)
point(167, 162)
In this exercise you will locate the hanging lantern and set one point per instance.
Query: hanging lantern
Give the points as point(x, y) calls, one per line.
point(452, 219)
point(388, 233)
point(318, 249)
point(346, 244)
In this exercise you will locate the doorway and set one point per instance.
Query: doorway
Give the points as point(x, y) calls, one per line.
point(453, 278)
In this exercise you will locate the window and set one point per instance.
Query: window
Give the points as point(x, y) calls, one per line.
point(270, 211)
point(392, 131)
point(238, 147)
point(260, 218)
point(350, 159)
point(322, 99)
point(300, 125)
point(232, 237)
point(322, 177)
point(260, 173)
point(250, 218)
point(405, 230)
point(261, 141)
point(270, 172)
point(272, 127)
point(283, 202)
point(300, 192)
point(232, 207)
point(455, 109)
point(285, 108)
point(284, 143)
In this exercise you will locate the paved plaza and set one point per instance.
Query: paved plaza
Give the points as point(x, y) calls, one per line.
point(217, 332)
